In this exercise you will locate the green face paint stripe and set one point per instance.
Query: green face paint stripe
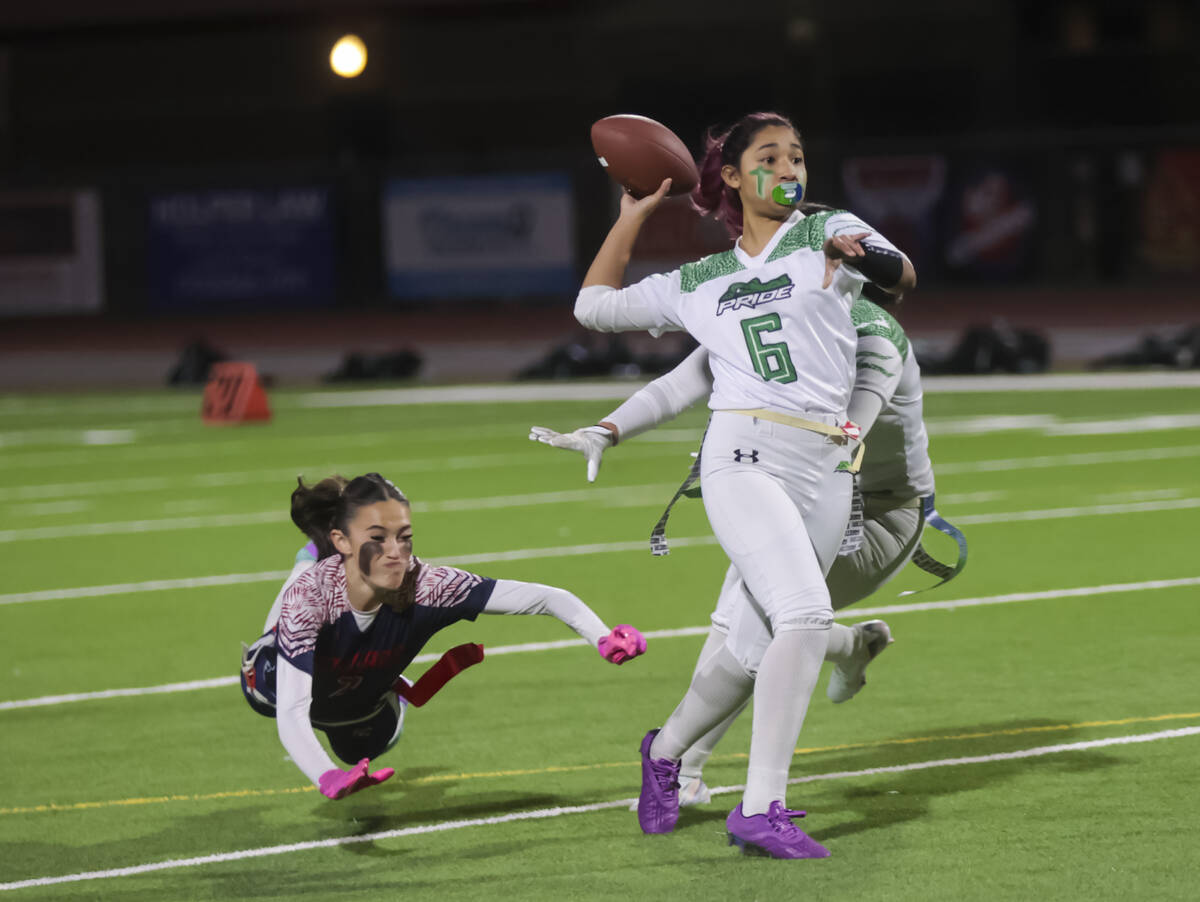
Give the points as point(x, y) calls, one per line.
point(761, 174)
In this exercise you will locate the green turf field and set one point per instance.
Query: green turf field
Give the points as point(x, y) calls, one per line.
point(1039, 745)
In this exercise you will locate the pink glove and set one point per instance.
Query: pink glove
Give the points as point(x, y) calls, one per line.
point(337, 784)
point(623, 644)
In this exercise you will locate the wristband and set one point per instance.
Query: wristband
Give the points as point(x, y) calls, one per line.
point(614, 434)
point(873, 292)
point(880, 265)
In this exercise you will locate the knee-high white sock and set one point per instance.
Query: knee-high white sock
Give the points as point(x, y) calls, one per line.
point(692, 764)
point(719, 686)
point(786, 679)
point(841, 644)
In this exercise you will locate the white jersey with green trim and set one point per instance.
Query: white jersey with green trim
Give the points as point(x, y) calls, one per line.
point(775, 337)
point(897, 455)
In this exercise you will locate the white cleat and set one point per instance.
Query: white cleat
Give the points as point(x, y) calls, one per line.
point(694, 792)
point(846, 679)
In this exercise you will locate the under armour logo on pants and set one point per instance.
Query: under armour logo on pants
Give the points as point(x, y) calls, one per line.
point(739, 455)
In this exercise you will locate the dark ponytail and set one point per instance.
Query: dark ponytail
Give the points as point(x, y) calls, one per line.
point(712, 197)
point(332, 503)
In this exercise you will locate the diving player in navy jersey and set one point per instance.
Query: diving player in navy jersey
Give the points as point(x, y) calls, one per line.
point(358, 607)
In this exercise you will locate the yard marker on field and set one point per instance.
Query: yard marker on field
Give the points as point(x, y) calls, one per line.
point(234, 394)
point(561, 811)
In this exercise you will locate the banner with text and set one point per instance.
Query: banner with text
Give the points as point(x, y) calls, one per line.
point(252, 248)
point(991, 222)
point(900, 197)
point(480, 236)
point(51, 261)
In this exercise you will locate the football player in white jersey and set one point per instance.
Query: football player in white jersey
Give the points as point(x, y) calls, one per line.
point(896, 480)
point(774, 315)
point(356, 610)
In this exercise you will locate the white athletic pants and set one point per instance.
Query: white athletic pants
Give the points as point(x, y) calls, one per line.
point(779, 508)
point(889, 540)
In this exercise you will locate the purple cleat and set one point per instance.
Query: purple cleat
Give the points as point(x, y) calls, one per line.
point(658, 805)
point(772, 834)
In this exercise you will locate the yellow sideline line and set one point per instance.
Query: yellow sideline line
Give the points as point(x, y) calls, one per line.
point(557, 769)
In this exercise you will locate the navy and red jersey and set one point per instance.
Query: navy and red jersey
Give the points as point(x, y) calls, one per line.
point(352, 668)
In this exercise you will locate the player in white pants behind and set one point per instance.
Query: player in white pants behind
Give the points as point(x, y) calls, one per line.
point(896, 476)
point(774, 315)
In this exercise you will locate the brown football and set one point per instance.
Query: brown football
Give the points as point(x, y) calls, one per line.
point(639, 153)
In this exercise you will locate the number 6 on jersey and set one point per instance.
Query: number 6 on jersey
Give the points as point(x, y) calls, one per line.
point(771, 359)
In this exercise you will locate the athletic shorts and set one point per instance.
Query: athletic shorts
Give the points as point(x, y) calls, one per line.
point(365, 737)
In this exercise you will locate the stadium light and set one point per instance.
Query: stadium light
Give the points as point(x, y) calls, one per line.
point(349, 56)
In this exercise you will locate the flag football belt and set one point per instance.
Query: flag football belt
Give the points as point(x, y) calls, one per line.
point(449, 665)
point(924, 560)
point(841, 435)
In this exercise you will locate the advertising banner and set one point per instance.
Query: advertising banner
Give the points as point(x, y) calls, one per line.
point(480, 236)
point(1171, 212)
point(991, 222)
point(50, 256)
point(243, 247)
point(899, 196)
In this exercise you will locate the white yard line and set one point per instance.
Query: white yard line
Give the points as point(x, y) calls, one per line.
point(580, 391)
point(619, 391)
point(51, 490)
point(650, 495)
point(1149, 423)
point(150, 585)
point(989, 425)
point(1083, 459)
point(231, 579)
point(682, 632)
point(1068, 513)
point(472, 394)
point(1060, 382)
point(562, 811)
point(1008, 598)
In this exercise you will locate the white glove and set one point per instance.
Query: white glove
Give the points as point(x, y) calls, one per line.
point(590, 441)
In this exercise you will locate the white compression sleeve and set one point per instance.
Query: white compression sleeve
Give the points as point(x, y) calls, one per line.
point(877, 374)
point(635, 308)
point(293, 695)
point(512, 597)
point(864, 408)
point(664, 398)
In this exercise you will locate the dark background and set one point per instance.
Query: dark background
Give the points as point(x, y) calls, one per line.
point(136, 98)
